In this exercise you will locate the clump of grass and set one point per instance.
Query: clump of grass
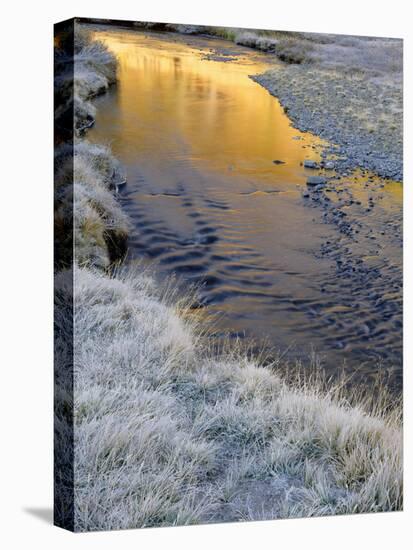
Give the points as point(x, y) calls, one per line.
point(94, 72)
point(185, 29)
point(295, 51)
point(248, 39)
point(86, 69)
point(226, 33)
point(289, 47)
point(86, 178)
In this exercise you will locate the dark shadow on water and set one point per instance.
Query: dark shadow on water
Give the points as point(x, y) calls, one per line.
point(45, 514)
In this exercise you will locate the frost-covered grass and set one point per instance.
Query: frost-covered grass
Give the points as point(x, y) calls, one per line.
point(168, 432)
point(350, 53)
point(86, 178)
point(87, 175)
point(357, 54)
point(374, 57)
point(86, 69)
point(370, 55)
point(94, 72)
point(288, 46)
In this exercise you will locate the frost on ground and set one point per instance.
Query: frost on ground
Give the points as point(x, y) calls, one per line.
point(167, 432)
point(166, 429)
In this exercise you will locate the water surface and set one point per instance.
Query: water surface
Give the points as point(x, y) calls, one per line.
point(198, 139)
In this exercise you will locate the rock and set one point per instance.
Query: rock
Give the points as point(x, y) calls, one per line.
point(329, 165)
point(119, 184)
point(316, 180)
point(310, 164)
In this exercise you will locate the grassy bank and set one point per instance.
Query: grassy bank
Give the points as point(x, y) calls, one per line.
point(167, 429)
point(99, 224)
point(84, 69)
point(166, 432)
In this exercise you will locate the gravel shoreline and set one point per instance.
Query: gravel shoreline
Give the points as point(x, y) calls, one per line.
point(361, 118)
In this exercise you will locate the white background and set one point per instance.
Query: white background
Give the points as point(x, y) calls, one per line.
point(26, 274)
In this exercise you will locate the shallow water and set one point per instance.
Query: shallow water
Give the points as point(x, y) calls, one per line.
point(198, 139)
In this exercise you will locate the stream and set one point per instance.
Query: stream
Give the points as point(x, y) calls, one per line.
point(217, 194)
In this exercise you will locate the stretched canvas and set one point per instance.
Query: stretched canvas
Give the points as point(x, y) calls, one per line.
point(228, 274)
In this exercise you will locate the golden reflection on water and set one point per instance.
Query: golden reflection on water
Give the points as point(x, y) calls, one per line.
point(198, 138)
point(209, 112)
point(388, 193)
point(226, 121)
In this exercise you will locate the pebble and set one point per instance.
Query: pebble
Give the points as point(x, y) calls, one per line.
point(316, 180)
